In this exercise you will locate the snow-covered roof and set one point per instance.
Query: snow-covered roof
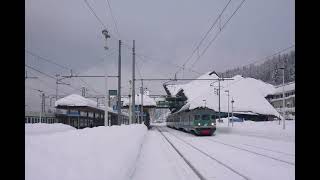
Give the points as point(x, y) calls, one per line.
point(75, 100)
point(287, 87)
point(248, 94)
point(147, 101)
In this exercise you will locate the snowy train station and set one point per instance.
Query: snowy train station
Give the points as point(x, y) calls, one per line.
point(80, 146)
point(159, 90)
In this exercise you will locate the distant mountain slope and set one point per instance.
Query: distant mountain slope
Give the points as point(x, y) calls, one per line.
point(267, 71)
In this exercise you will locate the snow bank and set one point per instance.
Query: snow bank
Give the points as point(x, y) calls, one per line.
point(90, 153)
point(42, 128)
point(265, 129)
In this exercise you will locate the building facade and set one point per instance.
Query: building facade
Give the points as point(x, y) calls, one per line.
point(276, 99)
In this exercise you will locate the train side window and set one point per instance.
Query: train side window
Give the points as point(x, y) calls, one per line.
point(196, 117)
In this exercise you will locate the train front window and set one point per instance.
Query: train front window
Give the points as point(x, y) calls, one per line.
point(205, 117)
point(197, 117)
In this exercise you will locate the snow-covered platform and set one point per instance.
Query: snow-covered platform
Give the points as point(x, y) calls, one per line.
point(90, 153)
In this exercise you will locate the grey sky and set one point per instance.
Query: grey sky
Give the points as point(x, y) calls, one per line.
point(66, 32)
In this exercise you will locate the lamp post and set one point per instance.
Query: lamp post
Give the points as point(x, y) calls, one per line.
point(227, 91)
point(232, 101)
point(42, 95)
point(283, 101)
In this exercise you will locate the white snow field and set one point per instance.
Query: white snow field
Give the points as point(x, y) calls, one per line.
point(248, 150)
point(90, 153)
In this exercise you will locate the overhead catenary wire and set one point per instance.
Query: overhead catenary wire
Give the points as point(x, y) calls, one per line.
point(215, 37)
point(113, 18)
point(58, 65)
point(206, 34)
point(52, 77)
point(94, 13)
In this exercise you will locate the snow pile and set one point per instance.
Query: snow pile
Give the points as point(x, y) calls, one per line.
point(75, 100)
point(265, 129)
point(90, 153)
point(42, 128)
point(248, 94)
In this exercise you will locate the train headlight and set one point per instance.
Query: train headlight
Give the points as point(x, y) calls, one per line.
point(212, 124)
point(199, 124)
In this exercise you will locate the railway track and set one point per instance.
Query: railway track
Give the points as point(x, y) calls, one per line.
point(196, 171)
point(253, 152)
point(271, 150)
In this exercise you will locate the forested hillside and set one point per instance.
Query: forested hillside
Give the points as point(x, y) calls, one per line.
point(268, 71)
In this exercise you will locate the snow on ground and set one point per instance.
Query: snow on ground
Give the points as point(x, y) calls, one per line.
point(252, 150)
point(90, 153)
point(43, 128)
point(248, 150)
point(264, 129)
point(158, 161)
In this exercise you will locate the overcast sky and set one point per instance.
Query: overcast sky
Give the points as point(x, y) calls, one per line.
point(166, 32)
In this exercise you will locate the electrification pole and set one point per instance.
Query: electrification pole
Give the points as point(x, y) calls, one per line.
point(119, 85)
point(133, 94)
point(228, 107)
point(283, 101)
point(106, 115)
point(232, 101)
point(42, 97)
point(141, 113)
point(219, 101)
point(130, 106)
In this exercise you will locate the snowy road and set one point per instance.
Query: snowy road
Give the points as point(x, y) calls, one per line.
point(230, 156)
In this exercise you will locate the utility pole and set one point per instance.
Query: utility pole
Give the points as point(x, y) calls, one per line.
point(228, 107)
point(133, 94)
point(130, 106)
point(58, 81)
point(106, 115)
point(141, 119)
point(119, 85)
point(283, 100)
point(232, 101)
point(219, 100)
point(42, 97)
point(83, 92)
point(57, 75)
